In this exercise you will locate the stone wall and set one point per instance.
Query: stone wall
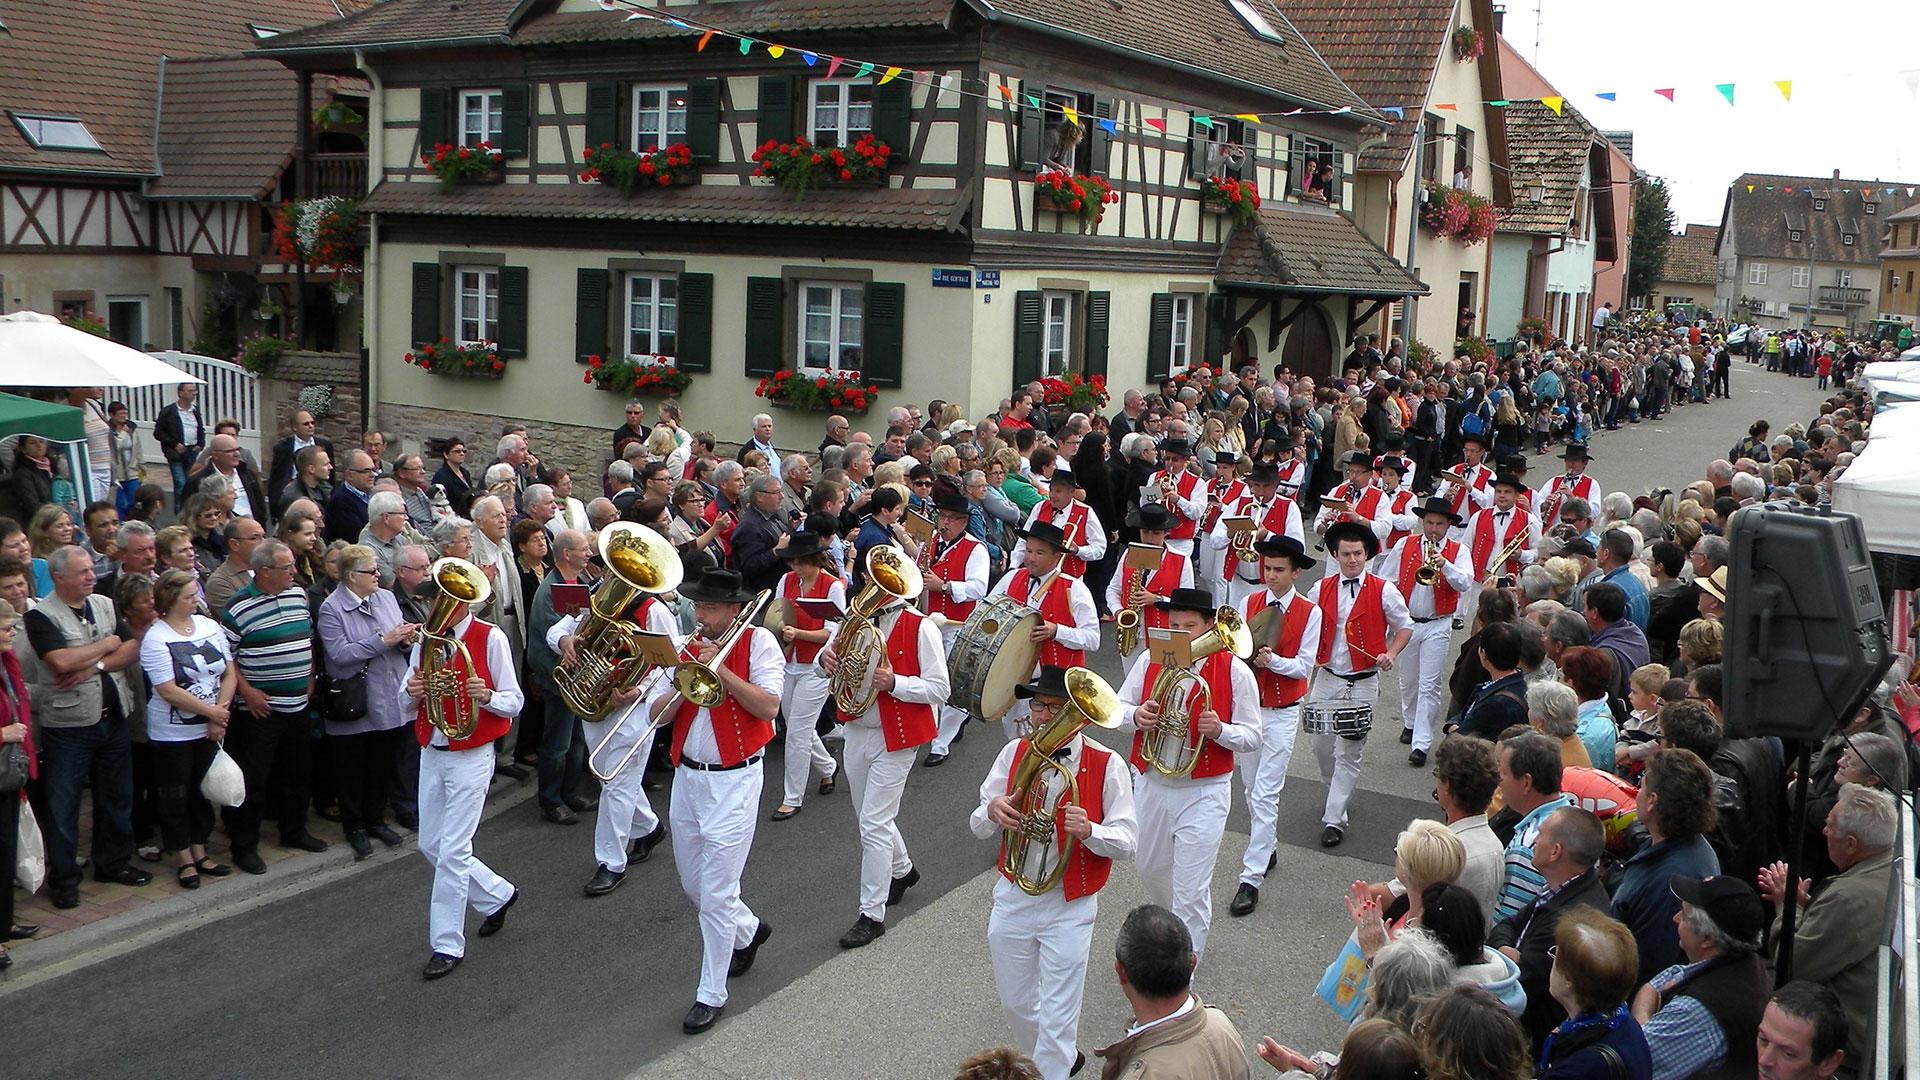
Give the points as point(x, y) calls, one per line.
point(583, 451)
point(293, 372)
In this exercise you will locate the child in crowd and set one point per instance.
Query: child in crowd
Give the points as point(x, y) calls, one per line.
point(1543, 419)
point(1640, 736)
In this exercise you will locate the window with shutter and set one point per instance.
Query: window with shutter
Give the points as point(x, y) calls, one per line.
point(1093, 354)
point(426, 303)
point(703, 119)
point(516, 120)
point(589, 314)
point(476, 305)
point(1027, 324)
point(885, 351)
point(696, 323)
point(1160, 337)
point(1219, 326)
point(893, 115)
point(833, 327)
point(1099, 140)
point(659, 117)
point(652, 315)
point(1031, 138)
point(482, 116)
point(433, 117)
point(776, 109)
point(513, 311)
point(839, 111)
point(764, 298)
point(603, 113)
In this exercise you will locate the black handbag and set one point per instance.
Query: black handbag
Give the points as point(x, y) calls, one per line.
point(13, 767)
point(346, 699)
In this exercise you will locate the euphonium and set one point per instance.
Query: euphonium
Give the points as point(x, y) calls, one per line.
point(445, 662)
point(1126, 621)
point(1167, 747)
point(1032, 789)
point(1429, 572)
point(858, 645)
point(607, 662)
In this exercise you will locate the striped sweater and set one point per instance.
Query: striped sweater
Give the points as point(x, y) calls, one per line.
point(1523, 883)
point(272, 638)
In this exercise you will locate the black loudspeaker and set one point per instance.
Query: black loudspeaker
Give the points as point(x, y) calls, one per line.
point(1806, 637)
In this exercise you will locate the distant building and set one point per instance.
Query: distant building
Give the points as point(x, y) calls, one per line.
point(1688, 277)
point(1900, 267)
point(1797, 251)
point(1561, 224)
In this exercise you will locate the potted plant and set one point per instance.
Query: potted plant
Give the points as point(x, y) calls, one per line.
point(259, 351)
point(1535, 329)
point(843, 390)
point(87, 322)
point(445, 357)
point(1085, 197)
point(1456, 212)
point(322, 232)
point(1467, 44)
point(655, 375)
point(1073, 394)
point(456, 165)
point(1227, 194)
point(800, 165)
point(1475, 349)
point(1420, 354)
point(654, 167)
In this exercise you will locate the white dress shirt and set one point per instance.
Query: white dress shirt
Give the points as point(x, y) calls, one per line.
point(1293, 667)
point(1256, 509)
point(1239, 732)
point(1457, 572)
point(765, 666)
point(974, 585)
point(1091, 546)
point(1114, 584)
point(508, 699)
point(931, 687)
point(1084, 634)
point(1117, 832)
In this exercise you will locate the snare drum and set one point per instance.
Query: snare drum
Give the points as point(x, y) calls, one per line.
point(1346, 721)
point(993, 653)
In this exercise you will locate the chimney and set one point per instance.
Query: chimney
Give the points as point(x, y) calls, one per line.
point(1836, 174)
point(1499, 18)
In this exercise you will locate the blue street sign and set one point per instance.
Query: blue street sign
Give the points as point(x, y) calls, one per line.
point(986, 279)
point(945, 278)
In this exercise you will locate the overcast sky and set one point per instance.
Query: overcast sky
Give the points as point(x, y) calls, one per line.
point(1851, 109)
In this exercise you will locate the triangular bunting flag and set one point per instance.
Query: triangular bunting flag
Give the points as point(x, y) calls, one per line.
point(1786, 88)
point(1295, 112)
point(746, 46)
point(1749, 189)
point(1909, 193)
point(1251, 118)
point(946, 84)
point(1205, 122)
point(1449, 106)
point(1342, 110)
point(1006, 92)
point(1554, 103)
point(673, 22)
point(1108, 127)
point(1726, 91)
point(866, 69)
point(1072, 114)
point(833, 65)
point(776, 51)
point(1394, 111)
point(1157, 125)
point(1608, 96)
point(1033, 102)
point(811, 58)
point(704, 39)
point(1789, 190)
point(892, 73)
point(1500, 103)
point(1667, 93)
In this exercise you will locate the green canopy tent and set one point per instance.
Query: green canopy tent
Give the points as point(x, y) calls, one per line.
point(61, 425)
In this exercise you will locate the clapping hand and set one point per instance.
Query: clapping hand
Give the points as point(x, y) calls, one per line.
point(1284, 1058)
point(1368, 926)
point(1773, 885)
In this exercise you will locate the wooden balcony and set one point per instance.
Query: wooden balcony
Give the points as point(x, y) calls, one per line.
point(1842, 296)
point(344, 175)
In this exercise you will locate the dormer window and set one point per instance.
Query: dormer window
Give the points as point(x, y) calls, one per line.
point(1846, 239)
point(55, 132)
point(262, 33)
point(1872, 209)
point(1255, 21)
point(1819, 204)
point(1793, 236)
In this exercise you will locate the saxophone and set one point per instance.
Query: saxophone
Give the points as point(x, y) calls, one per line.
point(1126, 621)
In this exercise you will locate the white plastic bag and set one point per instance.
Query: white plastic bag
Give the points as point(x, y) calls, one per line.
point(30, 871)
point(224, 784)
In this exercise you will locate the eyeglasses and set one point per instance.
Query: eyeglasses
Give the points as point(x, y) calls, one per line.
point(1553, 952)
point(286, 568)
point(368, 573)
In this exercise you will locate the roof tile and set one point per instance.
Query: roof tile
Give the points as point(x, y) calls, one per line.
point(217, 122)
point(1758, 220)
point(1690, 258)
point(1315, 248)
point(1551, 150)
point(1386, 50)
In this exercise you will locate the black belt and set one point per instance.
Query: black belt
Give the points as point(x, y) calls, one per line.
point(701, 766)
point(1423, 622)
point(1355, 677)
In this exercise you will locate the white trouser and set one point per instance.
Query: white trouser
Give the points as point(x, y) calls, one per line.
point(712, 816)
point(1206, 570)
point(1039, 946)
point(877, 777)
point(801, 698)
point(1264, 775)
point(951, 717)
point(453, 792)
point(1181, 547)
point(1422, 668)
point(1340, 756)
point(1180, 827)
point(1238, 590)
point(624, 811)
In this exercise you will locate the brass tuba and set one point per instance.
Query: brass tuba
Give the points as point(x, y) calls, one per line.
point(445, 662)
point(891, 577)
point(1036, 799)
point(1167, 747)
point(1133, 598)
point(607, 662)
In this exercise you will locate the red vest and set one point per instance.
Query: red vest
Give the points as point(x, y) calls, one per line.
point(1445, 597)
point(492, 725)
point(1161, 582)
point(904, 723)
point(1056, 609)
point(1215, 760)
point(1478, 477)
point(1398, 505)
point(1366, 628)
point(1076, 536)
point(1276, 690)
point(953, 567)
point(739, 733)
point(1293, 474)
point(1365, 506)
point(1228, 493)
point(1086, 872)
point(1274, 521)
point(805, 651)
point(1484, 544)
point(1184, 527)
point(1558, 491)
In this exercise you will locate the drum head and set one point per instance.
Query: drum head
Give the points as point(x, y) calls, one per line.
point(1012, 665)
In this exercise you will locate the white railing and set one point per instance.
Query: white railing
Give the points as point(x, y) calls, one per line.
point(231, 391)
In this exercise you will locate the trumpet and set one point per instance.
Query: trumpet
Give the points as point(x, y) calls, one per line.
point(1169, 489)
point(1090, 700)
point(1167, 747)
point(858, 645)
point(1453, 476)
point(1429, 572)
point(1500, 559)
point(1126, 621)
point(1241, 544)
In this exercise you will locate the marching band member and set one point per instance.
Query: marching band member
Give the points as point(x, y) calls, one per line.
point(454, 777)
point(1272, 514)
point(1364, 501)
point(717, 778)
point(1069, 623)
point(1040, 943)
point(1400, 516)
point(1363, 627)
point(1293, 471)
point(882, 743)
point(1282, 664)
point(1181, 493)
point(956, 580)
point(1518, 466)
point(1477, 492)
point(1224, 491)
point(1573, 484)
point(805, 690)
point(625, 828)
point(1174, 572)
point(1495, 527)
point(1061, 508)
point(1431, 608)
point(1182, 818)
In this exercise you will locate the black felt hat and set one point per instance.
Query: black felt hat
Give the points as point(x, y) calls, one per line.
point(718, 587)
point(1352, 530)
point(1199, 601)
point(1285, 547)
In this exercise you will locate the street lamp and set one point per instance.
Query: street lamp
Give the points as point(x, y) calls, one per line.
point(1536, 192)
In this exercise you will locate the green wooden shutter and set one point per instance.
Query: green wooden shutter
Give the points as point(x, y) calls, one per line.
point(1219, 321)
point(1094, 355)
point(603, 114)
point(433, 117)
point(1033, 131)
point(516, 120)
point(884, 337)
point(1159, 337)
point(1028, 323)
point(513, 311)
point(1249, 141)
point(764, 309)
point(1099, 141)
point(591, 286)
point(426, 303)
point(703, 119)
point(693, 334)
point(776, 108)
point(893, 115)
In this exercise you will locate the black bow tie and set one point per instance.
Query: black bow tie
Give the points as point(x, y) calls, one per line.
point(1352, 585)
point(1063, 753)
point(1502, 514)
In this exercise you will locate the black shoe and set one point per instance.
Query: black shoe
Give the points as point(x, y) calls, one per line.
point(1079, 1062)
point(407, 820)
point(585, 804)
point(439, 966)
point(899, 886)
point(642, 849)
point(934, 760)
point(385, 834)
point(1417, 759)
point(491, 925)
point(701, 1017)
point(1245, 899)
point(559, 815)
point(65, 899)
point(304, 841)
point(959, 732)
point(362, 847)
point(604, 881)
point(743, 957)
point(126, 875)
point(21, 931)
point(782, 813)
point(1331, 836)
point(1406, 736)
point(513, 769)
point(250, 861)
point(864, 932)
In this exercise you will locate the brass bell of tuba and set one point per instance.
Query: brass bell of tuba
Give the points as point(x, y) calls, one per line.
point(891, 577)
point(1038, 799)
point(445, 662)
point(607, 661)
point(1167, 747)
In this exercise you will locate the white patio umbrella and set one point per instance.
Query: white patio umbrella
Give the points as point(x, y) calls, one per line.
point(40, 350)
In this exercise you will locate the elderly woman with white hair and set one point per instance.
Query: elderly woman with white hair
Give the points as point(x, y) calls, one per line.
point(1554, 710)
point(1615, 509)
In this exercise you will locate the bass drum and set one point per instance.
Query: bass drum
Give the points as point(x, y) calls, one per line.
point(992, 654)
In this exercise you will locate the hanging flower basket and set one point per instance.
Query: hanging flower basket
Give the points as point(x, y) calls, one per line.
point(1074, 393)
point(843, 391)
point(653, 168)
point(1458, 213)
point(323, 232)
point(652, 375)
point(1537, 330)
point(1082, 196)
point(1468, 44)
point(800, 165)
point(456, 165)
point(444, 357)
point(1231, 196)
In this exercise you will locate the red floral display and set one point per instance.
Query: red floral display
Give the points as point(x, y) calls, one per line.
point(323, 232)
point(1237, 197)
point(654, 167)
point(820, 393)
point(799, 165)
point(1468, 44)
point(637, 375)
point(1074, 393)
point(446, 357)
point(452, 164)
point(1085, 197)
point(1458, 213)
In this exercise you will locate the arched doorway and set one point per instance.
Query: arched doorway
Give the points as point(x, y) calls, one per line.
point(1309, 347)
point(1246, 349)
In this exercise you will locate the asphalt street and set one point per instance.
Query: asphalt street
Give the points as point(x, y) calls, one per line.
point(326, 982)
